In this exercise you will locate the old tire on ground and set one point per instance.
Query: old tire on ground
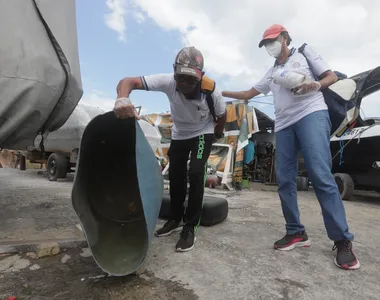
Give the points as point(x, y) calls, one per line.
point(215, 210)
point(345, 185)
point(302, 184)
point(56, 166)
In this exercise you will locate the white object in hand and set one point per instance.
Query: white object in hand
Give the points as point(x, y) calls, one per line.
point(308, 86)
point(288, 79)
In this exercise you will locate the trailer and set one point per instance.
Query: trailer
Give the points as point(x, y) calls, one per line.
point(60, 148)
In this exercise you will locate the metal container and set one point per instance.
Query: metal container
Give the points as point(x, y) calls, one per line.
point(117, 193)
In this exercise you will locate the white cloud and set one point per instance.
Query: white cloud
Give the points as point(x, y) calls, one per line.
point(345, 32)
point(101, 100)
point(115, 19)
point(139, 17)
point(98, 99)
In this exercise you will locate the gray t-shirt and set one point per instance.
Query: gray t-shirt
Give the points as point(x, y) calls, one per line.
point(289, 109)
point(191, 118)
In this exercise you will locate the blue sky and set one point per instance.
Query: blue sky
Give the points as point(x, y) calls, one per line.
point(119, 38)
point(146, 49)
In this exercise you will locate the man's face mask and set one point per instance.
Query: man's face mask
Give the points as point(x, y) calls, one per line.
point(186, 84)
point(274, 48)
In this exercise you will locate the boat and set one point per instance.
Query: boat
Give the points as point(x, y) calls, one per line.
point(356, 153)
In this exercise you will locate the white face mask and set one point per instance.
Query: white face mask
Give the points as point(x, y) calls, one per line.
point(274, 48)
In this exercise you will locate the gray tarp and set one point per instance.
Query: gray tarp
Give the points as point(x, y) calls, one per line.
point(40, 81)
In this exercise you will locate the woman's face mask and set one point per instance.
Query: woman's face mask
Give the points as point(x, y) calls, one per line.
point(274, 48)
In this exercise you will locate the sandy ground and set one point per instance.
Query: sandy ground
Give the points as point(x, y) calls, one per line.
point(233, 260)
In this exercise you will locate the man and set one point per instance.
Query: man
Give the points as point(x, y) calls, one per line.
point(193, 133)
point(302, 124)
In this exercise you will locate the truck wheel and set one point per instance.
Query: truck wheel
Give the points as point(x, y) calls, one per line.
point(56, 166)
point(215, 210)
point(302, 184)
point(345, 185)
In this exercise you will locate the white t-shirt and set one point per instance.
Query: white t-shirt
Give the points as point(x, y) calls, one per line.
point(289, 108)
point(191, 118)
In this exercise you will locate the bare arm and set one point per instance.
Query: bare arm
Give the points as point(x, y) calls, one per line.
point(243, 95)
point(327, 78)
point(127, 85)
point(123, 106)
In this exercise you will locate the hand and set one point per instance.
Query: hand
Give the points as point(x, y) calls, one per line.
point(306, 87)
point(218, 135)
point(125, 109)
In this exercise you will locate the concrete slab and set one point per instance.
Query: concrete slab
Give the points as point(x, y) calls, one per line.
point(31, 207)
point(233, 260)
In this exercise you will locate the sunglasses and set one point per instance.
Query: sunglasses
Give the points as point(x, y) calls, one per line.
point(190, 80)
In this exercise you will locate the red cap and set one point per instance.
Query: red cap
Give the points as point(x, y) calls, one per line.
point(272, 33)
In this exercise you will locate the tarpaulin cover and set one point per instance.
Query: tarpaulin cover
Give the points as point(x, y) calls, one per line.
point(117, 192)
point(40, 82)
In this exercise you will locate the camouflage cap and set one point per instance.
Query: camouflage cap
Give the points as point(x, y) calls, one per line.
point(189, 61)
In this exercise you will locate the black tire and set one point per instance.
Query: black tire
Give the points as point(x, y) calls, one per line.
point(165, 206)
point(345, 185)
point(56, 166)
point(215, 210)
point(302, 184)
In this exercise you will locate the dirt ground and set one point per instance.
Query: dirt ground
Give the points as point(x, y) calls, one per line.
point(232, 260)
point(70, 276)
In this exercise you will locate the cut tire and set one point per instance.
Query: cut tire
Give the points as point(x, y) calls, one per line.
point(57, 166)
point(302, 184)
point(215, 210)
point(345, 185)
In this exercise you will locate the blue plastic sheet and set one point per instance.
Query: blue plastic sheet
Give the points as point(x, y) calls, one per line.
point(249, 152)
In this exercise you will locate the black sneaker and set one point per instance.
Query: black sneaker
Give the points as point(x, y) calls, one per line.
point(291, 241)
point(186, 240)
point(168, 228)
point(345, 257)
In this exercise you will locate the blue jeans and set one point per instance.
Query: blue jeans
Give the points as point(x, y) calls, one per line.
point(311, 136)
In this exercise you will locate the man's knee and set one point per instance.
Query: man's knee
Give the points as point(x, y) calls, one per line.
point(196, 172)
